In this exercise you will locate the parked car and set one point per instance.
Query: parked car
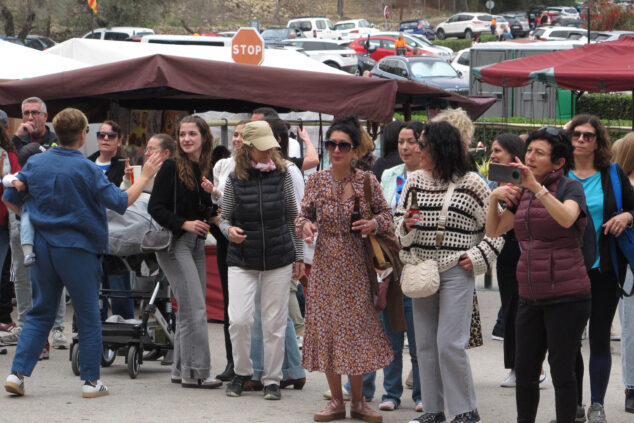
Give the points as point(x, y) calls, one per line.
point(118, 33)
point(315, 27)
point(38, 42)
point(601, 36)
point(328, 52)
point(272, 36)
point(576, 23)
point(430, 71)
point(518, 22)
point(461, 61)
point(464, 25)
point(355, 28)
point(379, 46)
point(557, 33)
point(419, 41)
point(192, 40)
point(565, 11)
point(14, 40)
point(418, 26)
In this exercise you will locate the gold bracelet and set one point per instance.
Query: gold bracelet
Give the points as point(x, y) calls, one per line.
point(541, 192)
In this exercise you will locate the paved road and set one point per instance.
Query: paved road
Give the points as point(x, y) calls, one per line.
point(54, 393)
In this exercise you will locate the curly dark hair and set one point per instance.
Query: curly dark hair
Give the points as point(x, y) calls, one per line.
point(349, 125)
point(446, 149)
point(602, 154)
point(560, 144)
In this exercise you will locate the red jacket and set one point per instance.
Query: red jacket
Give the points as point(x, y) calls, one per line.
point(551, 265)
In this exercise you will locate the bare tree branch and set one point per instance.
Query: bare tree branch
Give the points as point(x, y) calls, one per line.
point(187, 28)
point(9, 27)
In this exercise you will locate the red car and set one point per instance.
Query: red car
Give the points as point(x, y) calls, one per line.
point(381, 46)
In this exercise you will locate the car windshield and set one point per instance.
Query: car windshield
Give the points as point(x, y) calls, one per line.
point(435, 69)
point(364, 24)
point(275, 33)
point(349, 25)
point(570, 10)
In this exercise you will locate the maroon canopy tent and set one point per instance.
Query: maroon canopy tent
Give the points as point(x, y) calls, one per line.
point(598, 67)
point(179, 83)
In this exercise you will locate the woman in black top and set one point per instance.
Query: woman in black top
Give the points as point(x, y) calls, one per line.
point(184, 264)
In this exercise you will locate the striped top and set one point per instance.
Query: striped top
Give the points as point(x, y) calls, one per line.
point(464, 231)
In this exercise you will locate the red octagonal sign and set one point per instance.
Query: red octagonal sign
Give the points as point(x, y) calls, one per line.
point(247, 47)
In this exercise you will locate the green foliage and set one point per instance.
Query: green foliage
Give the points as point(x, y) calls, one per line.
point(606, 106)
point(483, 167)
point(457, 44)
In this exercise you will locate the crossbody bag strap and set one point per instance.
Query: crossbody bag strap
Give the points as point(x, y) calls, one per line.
point(442, 219)
point(367, 192)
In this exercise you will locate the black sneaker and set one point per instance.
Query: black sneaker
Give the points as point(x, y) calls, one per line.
point(235, 387)
point(468, 417)
point(272, 392)
point(430, 418)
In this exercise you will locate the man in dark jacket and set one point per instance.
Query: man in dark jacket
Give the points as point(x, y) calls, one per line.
point(33, 127)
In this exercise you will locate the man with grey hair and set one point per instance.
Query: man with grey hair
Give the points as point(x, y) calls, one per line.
point(33, 127)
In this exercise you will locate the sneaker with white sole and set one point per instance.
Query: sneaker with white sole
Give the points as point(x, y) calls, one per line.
point(542, 380)
point(419, 407)
point(510, 380)
point(58, 340)
point(387, 405)
point(46, 352)
point(88, 390)
point(14, 384)
point(209, 383)
point(11, 338)
point(346, 395)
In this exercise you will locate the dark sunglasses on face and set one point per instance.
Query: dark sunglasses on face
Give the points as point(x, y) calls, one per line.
point(343, 147)
point(101, 135)
point(588, 136)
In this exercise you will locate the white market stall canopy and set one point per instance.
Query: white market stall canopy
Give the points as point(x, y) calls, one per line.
point(97, 52)
point(24, 62)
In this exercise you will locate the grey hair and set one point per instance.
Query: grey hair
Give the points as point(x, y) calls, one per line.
point(35, 100)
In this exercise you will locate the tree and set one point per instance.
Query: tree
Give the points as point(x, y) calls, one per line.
point(340, 8)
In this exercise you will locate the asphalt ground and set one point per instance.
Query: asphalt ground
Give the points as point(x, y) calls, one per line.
point(53, 393)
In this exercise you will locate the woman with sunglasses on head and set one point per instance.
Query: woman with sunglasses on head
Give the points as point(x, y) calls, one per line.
point(504, 149)
point(343, 334)
point(591, 166)
point(180, 202)
point(442, 320)
point(553, 287)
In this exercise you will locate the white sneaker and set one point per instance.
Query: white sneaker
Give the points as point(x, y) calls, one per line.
point(88, 390)
point(387, 406)
point(58, 340)
point(542, 380)
point(509, 382)
point(11, 338)
point(346, 394)
point(209, 383)
point(14, 385)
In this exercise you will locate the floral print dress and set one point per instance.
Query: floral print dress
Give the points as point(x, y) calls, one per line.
point(343, 334)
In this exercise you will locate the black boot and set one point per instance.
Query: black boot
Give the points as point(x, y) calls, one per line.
point(629, 400)
point(228, 374)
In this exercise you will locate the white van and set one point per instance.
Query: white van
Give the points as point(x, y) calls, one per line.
point(315, 27)
point(192, 40)
point(118, 33)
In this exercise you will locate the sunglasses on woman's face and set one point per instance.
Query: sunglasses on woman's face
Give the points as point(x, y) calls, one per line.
point(101, 135)
point(343, 146)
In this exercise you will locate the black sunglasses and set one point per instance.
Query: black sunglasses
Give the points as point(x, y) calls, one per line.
point(552, 131)
point(344, 147)
point(588, 136)
point(111, 135)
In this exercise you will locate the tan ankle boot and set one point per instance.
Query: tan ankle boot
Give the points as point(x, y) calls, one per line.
point(361, 410)
point(334, 410)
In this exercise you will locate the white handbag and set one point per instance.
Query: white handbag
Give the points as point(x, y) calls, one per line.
point(422, 279)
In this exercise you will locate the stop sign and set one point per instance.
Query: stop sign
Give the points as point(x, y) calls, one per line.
point(247, 47)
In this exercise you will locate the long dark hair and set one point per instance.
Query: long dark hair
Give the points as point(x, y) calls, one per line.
point(5, 141)
point(446, 149)
point(348, 125)
point(389, 137)
point(185, 169)
point(513, 145)
point(602, 153)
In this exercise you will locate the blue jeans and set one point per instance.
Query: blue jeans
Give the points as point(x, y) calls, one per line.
point(392, 374)
point(27, 233)
point(626, 311)
point(292, 365)
point(121, 306)
point(80, 272)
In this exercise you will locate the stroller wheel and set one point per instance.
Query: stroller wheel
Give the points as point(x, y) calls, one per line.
point(74, 354)
point(107, 357)
point(133, 361)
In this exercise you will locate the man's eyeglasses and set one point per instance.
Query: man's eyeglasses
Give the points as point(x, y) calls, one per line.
point(34, 113)
point(331, 145)
point(101, 135)
point(588, 136)
point(151, 150)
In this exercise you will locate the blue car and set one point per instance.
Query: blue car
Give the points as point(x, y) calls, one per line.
point(432, 71)
point(418, 26)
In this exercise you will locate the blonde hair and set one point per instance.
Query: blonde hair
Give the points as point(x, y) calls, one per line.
point(367, 145)
point(460, 120)
point(68, 125)
point(243, 161)
point(623, 153)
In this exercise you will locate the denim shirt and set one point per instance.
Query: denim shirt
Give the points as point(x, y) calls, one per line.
point(67, 199)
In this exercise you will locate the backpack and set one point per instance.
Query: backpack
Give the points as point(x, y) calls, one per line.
point(625, 242)
point(587, 240)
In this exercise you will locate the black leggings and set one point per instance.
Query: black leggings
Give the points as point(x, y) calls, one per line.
point(605, 298)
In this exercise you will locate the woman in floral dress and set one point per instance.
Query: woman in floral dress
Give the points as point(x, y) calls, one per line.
point(343, 333)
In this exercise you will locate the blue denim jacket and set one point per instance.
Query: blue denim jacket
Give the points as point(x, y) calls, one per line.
point(67, 199)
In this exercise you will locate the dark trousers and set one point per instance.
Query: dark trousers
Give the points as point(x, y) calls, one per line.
point(221, 259)
point(507, 282)
point(555, 328)
point(605, 298)
point(6, 291)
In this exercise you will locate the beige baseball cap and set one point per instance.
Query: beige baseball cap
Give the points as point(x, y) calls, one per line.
point(259, 134)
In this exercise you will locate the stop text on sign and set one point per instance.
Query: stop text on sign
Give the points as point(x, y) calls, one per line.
point(247, 47)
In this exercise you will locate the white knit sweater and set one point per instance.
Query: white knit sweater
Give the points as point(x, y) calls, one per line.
point(466, 219)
